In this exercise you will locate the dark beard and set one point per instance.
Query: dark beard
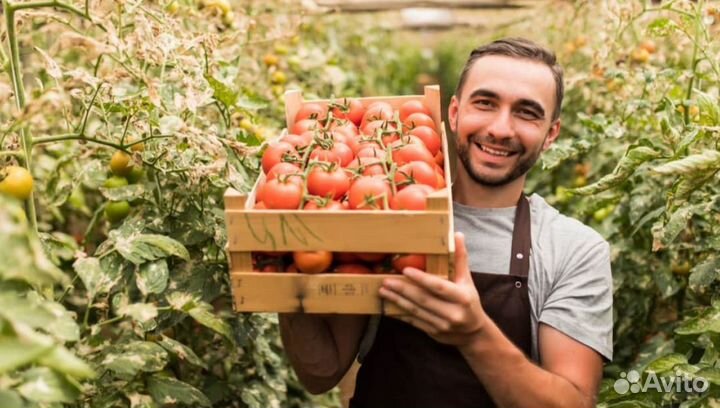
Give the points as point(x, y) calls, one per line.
point(523, 165)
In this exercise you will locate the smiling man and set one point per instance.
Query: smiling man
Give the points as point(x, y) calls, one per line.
point(527, 320)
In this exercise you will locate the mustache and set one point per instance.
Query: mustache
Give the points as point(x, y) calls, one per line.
point(509, 144)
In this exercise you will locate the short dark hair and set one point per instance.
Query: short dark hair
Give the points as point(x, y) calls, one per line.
point(518, 48)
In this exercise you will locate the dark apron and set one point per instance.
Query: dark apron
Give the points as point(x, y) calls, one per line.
point(407, 368)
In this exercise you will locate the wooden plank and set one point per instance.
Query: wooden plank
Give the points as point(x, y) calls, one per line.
point(298, 293)
point(345, 231)
point(241, 261)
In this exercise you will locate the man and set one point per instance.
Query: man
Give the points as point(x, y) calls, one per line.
point(527, 319)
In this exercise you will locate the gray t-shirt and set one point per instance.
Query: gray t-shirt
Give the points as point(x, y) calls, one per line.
point(570, 283)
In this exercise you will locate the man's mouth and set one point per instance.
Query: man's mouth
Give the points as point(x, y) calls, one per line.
point(495, 151)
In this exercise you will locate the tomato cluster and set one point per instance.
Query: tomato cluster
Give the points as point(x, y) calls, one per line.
point(347, 156)
point(314, 262)
point(124, 172)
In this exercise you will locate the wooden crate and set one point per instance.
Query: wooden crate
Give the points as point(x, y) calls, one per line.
point(429, 232)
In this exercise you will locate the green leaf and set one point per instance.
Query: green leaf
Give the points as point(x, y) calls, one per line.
point(141, 401)
point(153, 277)
point(625, 168)
point(250, 103)
point(706, 273)
point(95, 278)
point(711, 374)
point(666, 363)
point(222, 92)
point(708, 321)
point(10, 399)
point(181, 351)
point(140, 312)
point(170, 391)
point(708, 160)
point(140, 248)
point(203, 315)
point(131, 358)
point(125, 193)
point(15, 353)
point(45, 385)
point(661, 27)
point(62, 360)
point(665, 234)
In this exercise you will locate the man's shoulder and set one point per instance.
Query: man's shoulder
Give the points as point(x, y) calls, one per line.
point(560, 229)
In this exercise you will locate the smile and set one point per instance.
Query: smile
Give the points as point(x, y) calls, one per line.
point(494, 152)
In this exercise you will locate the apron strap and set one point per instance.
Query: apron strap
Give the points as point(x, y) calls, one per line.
point(520, 255)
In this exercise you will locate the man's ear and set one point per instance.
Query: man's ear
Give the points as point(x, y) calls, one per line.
point(453, 113)
point(552, 135)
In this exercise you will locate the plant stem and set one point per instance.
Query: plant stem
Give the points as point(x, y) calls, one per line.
point(50, 3)
point(17, 81)
point(13, 153)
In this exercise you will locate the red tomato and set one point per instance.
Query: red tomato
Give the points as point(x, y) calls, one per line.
point(328, 181)
point(401, 262)
point(259, 192)
point(410, 107)
point(369, 193)
point(281, 194)
point(429, 137)
point(345, 257)
point(363, 142)
point(338, 153)
point(311, 111)
point(304, 125)
point(312, 261)
point(298, 141)
point(410, 152)
point(277, 152)
point(350, 109)
point(418, 119)
point(439, 159)
point(282, 168)
point(260, 206)
point(373, 150)
point(371, 256)
point(368, 166)
point(358, 269)
point(417, 172)
point(347, 128)
point(377, 111)
point(412, 197)
point(324, 205)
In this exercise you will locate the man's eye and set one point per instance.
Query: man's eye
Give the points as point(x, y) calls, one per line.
point(483, 103)
point(528, 114)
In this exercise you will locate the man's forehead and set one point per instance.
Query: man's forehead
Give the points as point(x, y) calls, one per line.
point(511, 77)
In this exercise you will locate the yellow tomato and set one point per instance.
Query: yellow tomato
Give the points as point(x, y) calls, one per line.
point(640, 55)
point(278, 77)
point(16, 182)
point(120, 163)
point(271, 60)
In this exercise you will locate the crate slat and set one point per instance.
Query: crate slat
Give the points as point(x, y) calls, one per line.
point(298, 293)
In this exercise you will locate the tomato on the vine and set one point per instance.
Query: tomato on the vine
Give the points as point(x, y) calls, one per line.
point(282, 168)
point(418, 119)
point(369, 192)
point(311, 111)
point(377, 111)
point(117, 210)
point(276, 153)
point(403, 153)
point(281, 194)
point(115, 182)
point(312, 261)
point(304, 125)
point(298, 141)
point(324, 205)
point(16, 181)
point(120, 163)
point(350, 109)
point(367, 166)
point(416, 172)
point(429, 137)
point(412, 197)
point(328, 181)
point(337, 153)
point(413, 106)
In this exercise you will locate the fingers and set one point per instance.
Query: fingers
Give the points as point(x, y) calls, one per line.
point(429, 321)
point(440, 287)
point(462, 269)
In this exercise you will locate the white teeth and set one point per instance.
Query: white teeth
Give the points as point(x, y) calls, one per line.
point(493, 151)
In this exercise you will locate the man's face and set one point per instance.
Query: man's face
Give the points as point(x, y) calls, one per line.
point(503, 120)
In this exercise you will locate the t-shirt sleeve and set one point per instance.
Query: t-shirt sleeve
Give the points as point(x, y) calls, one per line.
point(580, 302)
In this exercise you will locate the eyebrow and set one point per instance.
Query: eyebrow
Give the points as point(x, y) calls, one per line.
point(528, 103)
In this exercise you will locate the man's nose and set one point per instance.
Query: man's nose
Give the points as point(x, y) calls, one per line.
point(501, 126)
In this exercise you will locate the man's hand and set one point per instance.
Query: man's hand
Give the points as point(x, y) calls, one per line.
point(449, 311)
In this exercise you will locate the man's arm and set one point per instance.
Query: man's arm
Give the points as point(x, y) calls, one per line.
point(321, 348)
point(451, 313)
point(569, 376)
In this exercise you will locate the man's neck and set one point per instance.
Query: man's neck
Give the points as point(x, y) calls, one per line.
point(468, 192)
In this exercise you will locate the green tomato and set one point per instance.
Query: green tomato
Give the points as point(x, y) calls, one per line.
point(562, 194)
point(601, 214)
point(135, 175)
point(117, 210)
point(115, 182)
